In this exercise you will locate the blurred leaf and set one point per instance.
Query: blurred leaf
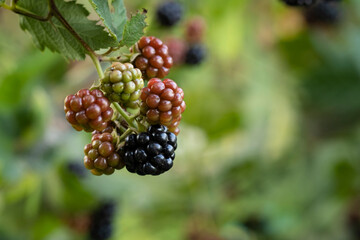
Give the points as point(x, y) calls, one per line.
point(134, 29)
point(53, 35)
point(114, 19)
point(44, 225)
point(17, 86)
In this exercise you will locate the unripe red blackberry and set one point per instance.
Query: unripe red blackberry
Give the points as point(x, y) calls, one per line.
point(177, 50)
point(88, 110)
point(162, 102)
point(154, 60)
point(101, 156)
point(122, 83)
point(151, 152)
point(195, 30)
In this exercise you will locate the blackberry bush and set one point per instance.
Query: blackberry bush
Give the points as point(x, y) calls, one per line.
point(101, 156)
point(154, 59)
point(151, 152)
point(88, 110)
point(169, 13)
point(122, 83)
point(162, 102)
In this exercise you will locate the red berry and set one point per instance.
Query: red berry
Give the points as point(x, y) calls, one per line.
point(88, 110)
point(154, 60)
point(162, 102)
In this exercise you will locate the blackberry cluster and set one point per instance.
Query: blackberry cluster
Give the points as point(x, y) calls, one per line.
point(162, 102)
point(169, 13)
point(327, 12)
point(151, 152)
point(122, 83)
point(195, 54)
point(88, 110)
point(101, 156)
point(101, 226)
point(154, 59)
point(299, 2)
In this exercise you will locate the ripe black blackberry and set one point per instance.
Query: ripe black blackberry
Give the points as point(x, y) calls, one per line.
point(101, 226)
point(122, 83)
point(195, 54)
point(77, 169)
point(323, 13)
point(154, 60)
point(88, 110)
point(163, 103)
point(151, 152)
point(300, 2)
point(169, 13)
point(101, 156)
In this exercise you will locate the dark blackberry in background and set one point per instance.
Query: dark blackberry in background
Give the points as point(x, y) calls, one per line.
point(101, 226)
point(169, 13)
point(327, 13)
point(299, 2)
point(195, 54)
point(151, 152)
point(76, 169)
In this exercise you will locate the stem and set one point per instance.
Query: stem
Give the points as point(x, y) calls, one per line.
point(97, 65)
point(125, 134)
point(126, 117)
point(114, 59)
point(24, 12)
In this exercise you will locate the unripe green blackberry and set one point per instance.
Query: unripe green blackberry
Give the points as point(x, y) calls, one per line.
point(162, 103)
point(123, 83)
point(101, 156)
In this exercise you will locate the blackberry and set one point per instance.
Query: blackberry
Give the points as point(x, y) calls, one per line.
point(154, 60)
point(299, 2)
point(101, 156)
point(101, 225)
point(162, 102)
point(88, 110)
point(169, 13)
point(151, 152)
point(122, 83)
point(195, 30)
point(195, 54)
point(177, 50)
point(323, 13)
point(77, 169)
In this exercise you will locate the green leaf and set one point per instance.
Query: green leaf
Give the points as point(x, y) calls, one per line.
point(134, 29)
point(113, 21)
point(2, 1)
point(53, 35)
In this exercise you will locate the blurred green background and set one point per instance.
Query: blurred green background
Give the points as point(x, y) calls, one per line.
point(269, 145)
